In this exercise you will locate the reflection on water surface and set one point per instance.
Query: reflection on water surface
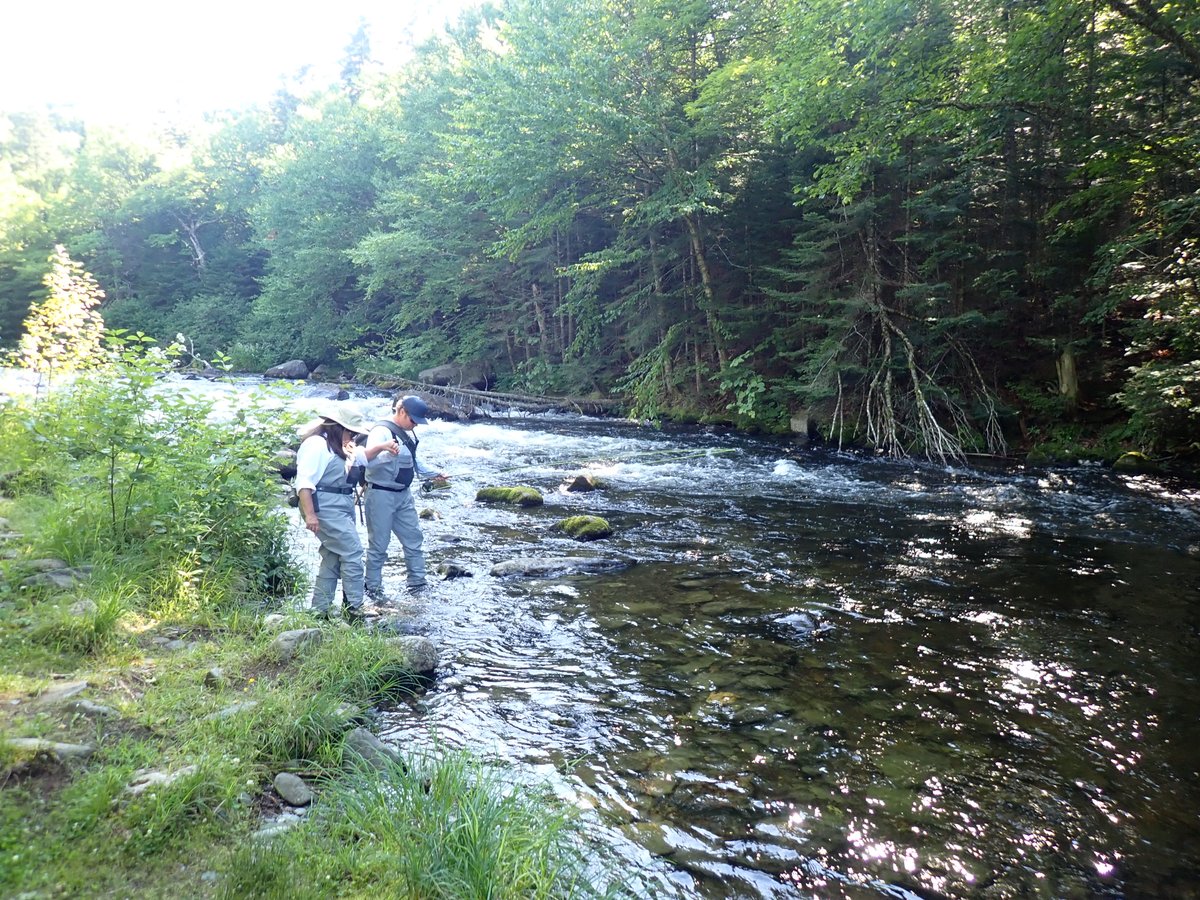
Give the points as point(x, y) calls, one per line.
point(828, 677)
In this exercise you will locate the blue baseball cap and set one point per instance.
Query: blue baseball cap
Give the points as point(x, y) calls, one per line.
point(416, 408)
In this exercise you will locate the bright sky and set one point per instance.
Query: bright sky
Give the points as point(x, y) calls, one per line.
point(136, 60)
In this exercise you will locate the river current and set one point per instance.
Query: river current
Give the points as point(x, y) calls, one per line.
point(809, 674)
point(819, 675)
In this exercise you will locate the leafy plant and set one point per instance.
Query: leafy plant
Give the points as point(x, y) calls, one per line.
point(64, 332)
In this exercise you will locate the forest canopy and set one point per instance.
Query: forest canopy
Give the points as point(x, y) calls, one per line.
point(935, 227)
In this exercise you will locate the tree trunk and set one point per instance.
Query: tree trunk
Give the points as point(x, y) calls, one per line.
point(1068, 379)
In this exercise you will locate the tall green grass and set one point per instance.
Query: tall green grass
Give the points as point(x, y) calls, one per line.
point(438, 827)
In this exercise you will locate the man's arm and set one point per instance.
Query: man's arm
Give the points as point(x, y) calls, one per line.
point(380, 443)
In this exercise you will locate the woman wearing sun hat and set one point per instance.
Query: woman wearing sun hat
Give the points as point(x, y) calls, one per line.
point(323, 465)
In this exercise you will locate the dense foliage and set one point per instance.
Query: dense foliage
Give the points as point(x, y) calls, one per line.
point(115, 472)
point(935, 226)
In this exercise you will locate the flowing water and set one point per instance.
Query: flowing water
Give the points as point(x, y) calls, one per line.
point(823, 676)
point(810, 675)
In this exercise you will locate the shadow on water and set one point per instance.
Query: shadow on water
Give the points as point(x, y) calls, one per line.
point(825, 676)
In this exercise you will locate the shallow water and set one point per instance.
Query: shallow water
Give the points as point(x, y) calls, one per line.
point(820, 676)
point(823, 676)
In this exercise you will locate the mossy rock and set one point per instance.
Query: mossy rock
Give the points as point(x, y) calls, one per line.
point(1038, 457)
point(586, 528)
point(515, 496)
point(1135, 462)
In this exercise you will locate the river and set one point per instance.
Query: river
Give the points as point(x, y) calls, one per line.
point(818, 675)
point(821, 675)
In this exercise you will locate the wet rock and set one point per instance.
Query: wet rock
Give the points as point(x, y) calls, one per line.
point(418, 653)
point(549, 566)
point(586, 528)
point(293, 368)
point(663, 785)
point(448, 571)
point(515, 496)
point(800, 624)
point(1136, 462)
point(580, 484)
point(692, 597)
point(293, 789)
point(649, 836)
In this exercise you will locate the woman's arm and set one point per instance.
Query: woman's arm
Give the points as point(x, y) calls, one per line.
point(308, 510)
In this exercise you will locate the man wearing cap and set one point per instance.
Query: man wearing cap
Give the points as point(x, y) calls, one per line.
point(390, 507)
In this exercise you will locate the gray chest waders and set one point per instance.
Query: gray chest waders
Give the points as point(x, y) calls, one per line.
point(340, 548)
point(391, 509)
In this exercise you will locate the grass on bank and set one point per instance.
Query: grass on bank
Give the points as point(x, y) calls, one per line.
point(175, 546)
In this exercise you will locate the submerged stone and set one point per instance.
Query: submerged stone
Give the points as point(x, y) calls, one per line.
point(542, 567)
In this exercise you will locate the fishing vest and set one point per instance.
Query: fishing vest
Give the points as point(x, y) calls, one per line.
point(404, 475)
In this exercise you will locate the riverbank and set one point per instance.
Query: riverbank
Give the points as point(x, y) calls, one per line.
point(189, 756)
point(172, 722)
point(1035, 441)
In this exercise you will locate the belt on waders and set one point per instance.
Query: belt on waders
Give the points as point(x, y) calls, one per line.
point(343, 489)
point(384, 487)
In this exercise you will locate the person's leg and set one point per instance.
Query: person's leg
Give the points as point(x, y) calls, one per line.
point(339, 535)
point(407, 527)
point(378, 507)
point(326, 581)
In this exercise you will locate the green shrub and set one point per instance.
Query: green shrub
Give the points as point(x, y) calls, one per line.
point(138, 474)
point(87, 632)
point(447, 827)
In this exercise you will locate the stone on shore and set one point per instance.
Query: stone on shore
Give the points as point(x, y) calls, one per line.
point(293, 789)
point(361, 745)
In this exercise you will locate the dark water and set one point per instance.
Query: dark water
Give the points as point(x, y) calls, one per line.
point(825, 677)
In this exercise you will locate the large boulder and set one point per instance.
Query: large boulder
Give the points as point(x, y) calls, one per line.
point(293, 368)
point(475, 375)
